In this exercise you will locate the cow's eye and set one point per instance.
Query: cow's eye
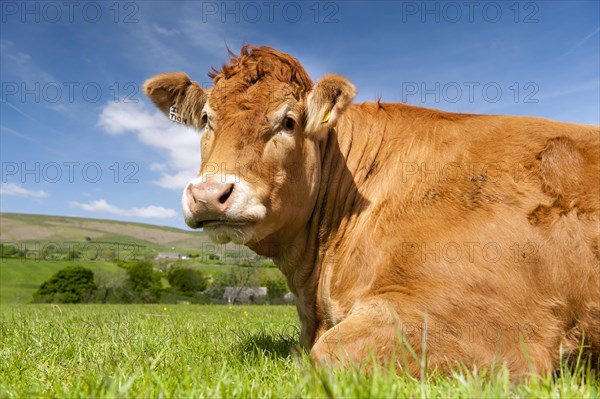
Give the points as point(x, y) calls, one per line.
point(206, 121)
point(288, 123)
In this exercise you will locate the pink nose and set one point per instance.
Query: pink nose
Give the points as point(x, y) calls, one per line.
point(209, 200)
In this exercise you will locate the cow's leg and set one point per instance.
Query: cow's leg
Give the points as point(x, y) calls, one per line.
point(589, 334)
point(395, 329)
point(376, 330)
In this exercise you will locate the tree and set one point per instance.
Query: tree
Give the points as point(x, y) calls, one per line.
point(73, 254)
point(187, 281)
point(110, 286)
point(73, 284)
point(144, 282)
point(236, 277)
point(8, 251)
point(276, 288)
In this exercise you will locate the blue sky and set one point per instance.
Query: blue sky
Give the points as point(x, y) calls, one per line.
point(78, 137)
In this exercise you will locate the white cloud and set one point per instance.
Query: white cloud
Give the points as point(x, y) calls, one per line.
point(148, 47)
point(21, 65)
point(5, 44)
point(157, 167)
point(20, 58)
point(175, 181)
point(211, 38)
point(211, 35)
point(164, 31)
point(154, 212)
point(180, 144)
point(16, 190)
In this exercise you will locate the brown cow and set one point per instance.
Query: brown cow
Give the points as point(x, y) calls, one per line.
point(401, 230)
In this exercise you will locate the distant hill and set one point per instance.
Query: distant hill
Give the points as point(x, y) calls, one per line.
point(21, 275)
point(27, 228)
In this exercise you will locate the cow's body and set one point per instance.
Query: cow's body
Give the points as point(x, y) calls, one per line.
point(483, 227)
point(474, 235)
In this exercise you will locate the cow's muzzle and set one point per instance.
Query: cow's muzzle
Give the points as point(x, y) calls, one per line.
point(205, 202)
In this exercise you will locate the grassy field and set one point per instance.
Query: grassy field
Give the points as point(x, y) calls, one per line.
point(110, 351)
point(181, 351)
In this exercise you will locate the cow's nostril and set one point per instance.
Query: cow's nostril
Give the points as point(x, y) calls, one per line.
point(190, 194)
point(225, 196)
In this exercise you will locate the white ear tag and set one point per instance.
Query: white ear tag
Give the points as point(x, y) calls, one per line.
point(175, 117)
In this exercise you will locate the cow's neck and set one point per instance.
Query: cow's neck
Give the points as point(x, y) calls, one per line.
point(346, 163)
point(347, 160)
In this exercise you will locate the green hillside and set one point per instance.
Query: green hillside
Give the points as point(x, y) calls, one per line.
point(61, 230)
point(43, 244)
point(24, 228)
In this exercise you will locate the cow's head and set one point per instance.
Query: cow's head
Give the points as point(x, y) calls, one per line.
point(261, 125)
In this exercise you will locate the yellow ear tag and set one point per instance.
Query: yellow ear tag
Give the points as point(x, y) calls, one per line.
point(326, 117)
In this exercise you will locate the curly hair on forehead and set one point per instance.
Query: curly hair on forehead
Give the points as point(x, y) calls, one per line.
point(256, 63)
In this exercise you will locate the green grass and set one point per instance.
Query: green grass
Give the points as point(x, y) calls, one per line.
point(208, 351)
point(20, 278)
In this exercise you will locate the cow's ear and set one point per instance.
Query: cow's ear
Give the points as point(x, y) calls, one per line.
point(178, 97)
point(325, 104)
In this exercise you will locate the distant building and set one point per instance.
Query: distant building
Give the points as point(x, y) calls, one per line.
point(244, 294)
point(168, 255)
point(289, 298)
